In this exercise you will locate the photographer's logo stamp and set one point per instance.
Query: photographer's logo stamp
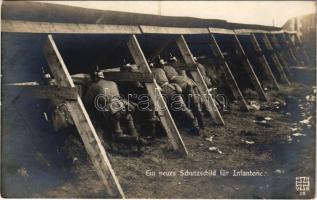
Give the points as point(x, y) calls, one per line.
point(302, 185)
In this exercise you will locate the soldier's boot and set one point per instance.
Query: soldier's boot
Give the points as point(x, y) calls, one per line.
point(139, 141)
point(153, 121)
point(131, 125)
point(195, 126)
point(198, 104)
point(119, 136)
point(200, 119)
point(200, 116)
point(129, 139)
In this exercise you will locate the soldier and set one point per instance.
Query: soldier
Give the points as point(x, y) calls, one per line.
point(189, 88)
point(60, 116)
point(203, 72)
point(151, 116)
point(103, 99)
point(172, 92)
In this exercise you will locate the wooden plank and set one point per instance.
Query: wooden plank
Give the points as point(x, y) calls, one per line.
point(231, 81)
point(275, 59)
point(296, 49)
point(262, 60)
point(125, 76)
point(248, 67)
point(157, 98)
point(249, 31)
point(221, 31)
point(46, 92)
point(198, 78)
point(279, 54)
point(83, 123)
point(289, 49)
point(187, 67)
point(172, 30)
point(276, 32)
point(290, 32)
point(69, 28)
point(299, 50)
point(283, 49)
point(303, 50)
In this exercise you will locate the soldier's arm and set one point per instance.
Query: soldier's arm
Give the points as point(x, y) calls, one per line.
point(178, 89)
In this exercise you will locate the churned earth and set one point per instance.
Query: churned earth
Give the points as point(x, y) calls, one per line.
point(278, 140)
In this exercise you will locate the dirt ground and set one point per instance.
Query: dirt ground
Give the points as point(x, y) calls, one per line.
point(277, 140)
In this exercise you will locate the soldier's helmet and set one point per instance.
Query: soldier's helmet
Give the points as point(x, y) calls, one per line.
point(159, 62)
point(97, 73)
point(173, 59)
point(47, 76)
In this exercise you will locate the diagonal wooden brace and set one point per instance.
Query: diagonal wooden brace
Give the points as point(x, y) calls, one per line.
point(274, 58)
point(275, 46)
point(47, 92)
point(198, 78)
point(262, 60)
point(248, 67)
point(157, 98)
point(231, 81)
point(82, 122)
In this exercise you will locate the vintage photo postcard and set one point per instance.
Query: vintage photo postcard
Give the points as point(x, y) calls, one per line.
point(158, 99)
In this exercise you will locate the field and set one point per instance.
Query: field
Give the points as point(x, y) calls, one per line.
point(277, 140)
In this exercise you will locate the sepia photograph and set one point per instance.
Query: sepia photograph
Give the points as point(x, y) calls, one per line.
point(158, 99)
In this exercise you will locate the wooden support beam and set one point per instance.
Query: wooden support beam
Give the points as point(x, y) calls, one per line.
point(157, 98)
point(296, 51)
point(277, 48)
point(302, 49)
point(221, 31)
point(186, 67)
point(249, 31)
point(66, 28)
point(126, 76)
point(83, 123)
point(172, 30)
point(248, 67)
point(262, 60)
point(289, 50)
point(231, 81)
point(283, 48)
point(274, 58)
point(46, 92)
point(198, 78)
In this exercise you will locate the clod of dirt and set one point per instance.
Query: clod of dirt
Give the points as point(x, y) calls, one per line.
point(215, 149)
point(268, 118)
point(298, 134)
point(210, 138)
point(306, 121)
point(294, 129)
point(248, 142)
point(254, 105)
point(262, 123)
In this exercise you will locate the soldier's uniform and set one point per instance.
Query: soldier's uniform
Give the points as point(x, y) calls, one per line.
point(189, 88)
point(112, 108)
point(203, 72)
point(173, 92)
point(60, 116)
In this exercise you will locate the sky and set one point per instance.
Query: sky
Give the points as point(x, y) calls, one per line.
point(250, 12)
